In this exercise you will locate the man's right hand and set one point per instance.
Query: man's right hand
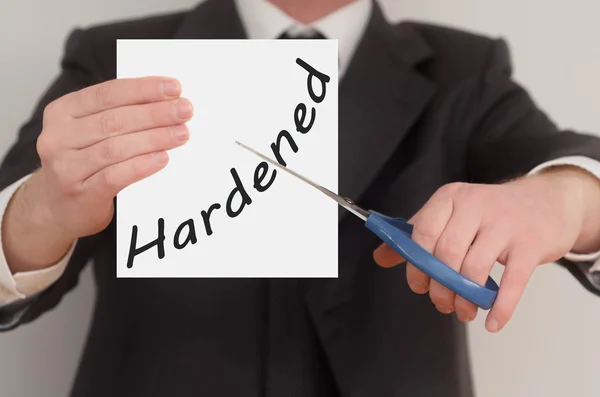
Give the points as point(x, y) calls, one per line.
point(94, 143)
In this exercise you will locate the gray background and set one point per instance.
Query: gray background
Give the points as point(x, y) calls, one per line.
point(549, 346)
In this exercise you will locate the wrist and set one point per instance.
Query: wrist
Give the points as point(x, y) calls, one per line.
point(31, 238)
point(582, 192)
point(34, 204)
point(589, 239)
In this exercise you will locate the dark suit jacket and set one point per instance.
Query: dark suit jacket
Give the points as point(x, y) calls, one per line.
point(420, 106)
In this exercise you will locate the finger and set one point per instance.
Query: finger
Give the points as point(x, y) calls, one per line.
point(417, 280)
point(124, 147)
point(385, 256)
point(518, 270)
point(477, 265)
point(428, 225)
point(117, 93)
point(451, 249)
point(125, 120)
point(109, 181)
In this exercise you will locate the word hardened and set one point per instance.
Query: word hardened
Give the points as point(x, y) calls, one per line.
point(186, 231)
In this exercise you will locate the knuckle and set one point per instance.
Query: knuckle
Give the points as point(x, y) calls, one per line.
point(423, 232)
point(104, 95)
point(450, 247)
point(475, 266)
point(160, 112)
point(521, 246)
point(112, 151)
point(109, 178)
point(451, 188)
point(477, 195)
point(74, 188)
point(110, 123)
point(50, 110)
point(43, 147)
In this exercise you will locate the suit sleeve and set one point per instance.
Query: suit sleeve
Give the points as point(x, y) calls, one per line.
point(77, 72)
point(511, 136)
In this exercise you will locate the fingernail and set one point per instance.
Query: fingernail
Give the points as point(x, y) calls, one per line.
point(418, 287)
point(180, 132)
point(493, 325)
point(184, 109)
point(464, 319)
point(171, 88)
point(444, 309)
point(160, 157)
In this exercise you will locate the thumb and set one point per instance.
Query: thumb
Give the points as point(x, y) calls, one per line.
point(385, 256)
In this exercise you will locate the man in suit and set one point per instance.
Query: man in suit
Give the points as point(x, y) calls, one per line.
point(490, 176)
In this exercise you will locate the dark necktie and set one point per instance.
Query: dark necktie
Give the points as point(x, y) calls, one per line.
point(315, 35)
point(286, 365)
point(311, 35)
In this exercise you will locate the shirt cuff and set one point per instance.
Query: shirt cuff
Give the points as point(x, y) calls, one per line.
point(24, 284)
point(593, 167)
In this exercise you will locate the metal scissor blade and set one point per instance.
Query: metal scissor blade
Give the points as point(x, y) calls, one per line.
point(344, 202)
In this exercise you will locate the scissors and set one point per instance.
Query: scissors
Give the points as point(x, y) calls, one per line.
point(397, 232)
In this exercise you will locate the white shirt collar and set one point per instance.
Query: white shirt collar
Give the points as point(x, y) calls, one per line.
point(263, 20)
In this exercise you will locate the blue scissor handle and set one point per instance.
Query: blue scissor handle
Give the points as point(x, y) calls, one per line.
point(396, 232)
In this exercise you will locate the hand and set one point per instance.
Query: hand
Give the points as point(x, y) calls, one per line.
point(94, 143)
point(521, 224)
point(98, 141)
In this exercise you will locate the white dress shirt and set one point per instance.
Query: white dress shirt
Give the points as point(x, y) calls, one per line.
point(262, 20)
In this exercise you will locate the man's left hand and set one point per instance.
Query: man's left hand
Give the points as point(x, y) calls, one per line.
point(520, 224)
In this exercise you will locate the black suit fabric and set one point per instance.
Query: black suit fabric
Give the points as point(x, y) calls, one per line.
point(420, 106)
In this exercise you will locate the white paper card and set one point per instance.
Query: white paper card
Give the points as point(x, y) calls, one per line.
point(247, 91)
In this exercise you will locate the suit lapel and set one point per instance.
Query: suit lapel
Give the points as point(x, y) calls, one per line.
point(380, 98)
